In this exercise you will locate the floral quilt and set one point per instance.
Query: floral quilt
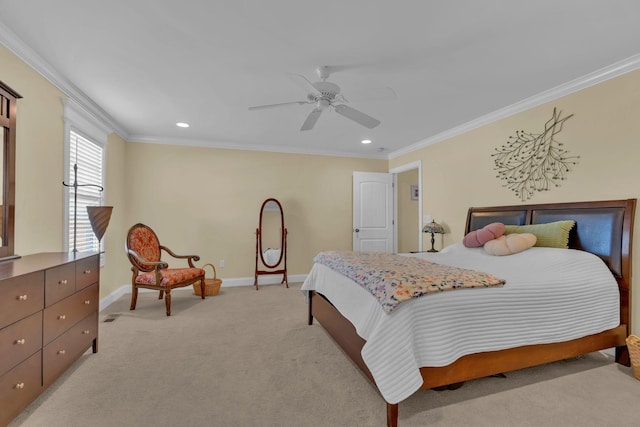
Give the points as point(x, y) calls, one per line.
point(393, 279)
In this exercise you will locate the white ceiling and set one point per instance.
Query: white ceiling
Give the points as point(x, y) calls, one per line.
point(146, 64)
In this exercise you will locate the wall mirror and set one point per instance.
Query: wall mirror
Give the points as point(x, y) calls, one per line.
point(8, 101)
point(271, 242)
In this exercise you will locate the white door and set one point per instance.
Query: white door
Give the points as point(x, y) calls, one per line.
point(372, 212)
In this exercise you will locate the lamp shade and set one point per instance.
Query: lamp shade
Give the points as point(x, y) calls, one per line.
point(99, 217)
point(433, 228)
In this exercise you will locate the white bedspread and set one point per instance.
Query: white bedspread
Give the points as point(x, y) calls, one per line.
point(551, 295)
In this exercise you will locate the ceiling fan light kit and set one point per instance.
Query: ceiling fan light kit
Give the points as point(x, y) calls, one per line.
point(325, 95)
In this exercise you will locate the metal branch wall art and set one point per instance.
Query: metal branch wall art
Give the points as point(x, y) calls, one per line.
point(532, 162)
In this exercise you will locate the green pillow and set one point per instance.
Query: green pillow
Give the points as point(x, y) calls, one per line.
point(550, 235)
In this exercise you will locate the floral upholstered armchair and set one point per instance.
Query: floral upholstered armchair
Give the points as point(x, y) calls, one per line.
point(149, 271)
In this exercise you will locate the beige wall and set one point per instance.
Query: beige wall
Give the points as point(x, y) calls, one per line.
point(39, 156)
point(407, 212)
point(199, 200)
point(207, 201)
point(40, 171)
point(603, 132)
point(117, 269)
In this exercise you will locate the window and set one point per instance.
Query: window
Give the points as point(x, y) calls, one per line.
point(85, 143)
point(85, 165)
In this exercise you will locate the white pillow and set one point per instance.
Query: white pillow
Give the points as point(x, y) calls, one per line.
point(510, 244)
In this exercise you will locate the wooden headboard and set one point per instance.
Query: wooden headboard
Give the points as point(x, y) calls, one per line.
point(603, 228)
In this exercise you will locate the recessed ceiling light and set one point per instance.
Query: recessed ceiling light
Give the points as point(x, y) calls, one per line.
point(366, 141)
point(182, 125)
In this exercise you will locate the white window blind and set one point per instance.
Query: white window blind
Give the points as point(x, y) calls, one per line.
point(87, 156)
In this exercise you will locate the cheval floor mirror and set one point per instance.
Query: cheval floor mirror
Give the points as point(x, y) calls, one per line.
point(271, 242)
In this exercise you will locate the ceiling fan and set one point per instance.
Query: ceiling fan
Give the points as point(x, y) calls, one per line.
point(324, 95)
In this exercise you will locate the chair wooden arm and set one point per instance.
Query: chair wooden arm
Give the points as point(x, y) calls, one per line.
point(159, 265)
point(189, 258)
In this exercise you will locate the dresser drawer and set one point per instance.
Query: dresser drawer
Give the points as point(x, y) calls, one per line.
point(60, 282)
point(66, 313)
point(19, 341)
point(19, 387)
point(87, 272)
point(58, 355)
point(20, 297)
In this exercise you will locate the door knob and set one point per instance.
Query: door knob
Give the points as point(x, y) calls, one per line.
point(357, 230)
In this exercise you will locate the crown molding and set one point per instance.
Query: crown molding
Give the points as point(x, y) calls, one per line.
point(252, 147)
point(607, 73)
point(77, 117)
point(26, 54)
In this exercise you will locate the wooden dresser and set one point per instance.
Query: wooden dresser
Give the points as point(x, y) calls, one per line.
point(48, 319)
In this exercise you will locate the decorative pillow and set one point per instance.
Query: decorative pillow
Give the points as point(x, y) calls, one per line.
point(510, 244)
point(477, 238)
point(550, 235)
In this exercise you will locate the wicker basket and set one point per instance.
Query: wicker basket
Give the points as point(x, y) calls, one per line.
point(211, 286)
point(633, 344)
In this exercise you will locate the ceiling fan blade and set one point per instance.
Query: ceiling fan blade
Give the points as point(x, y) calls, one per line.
point(311, 120)
point(304, 83)
point(282, 104)
point(356, 116)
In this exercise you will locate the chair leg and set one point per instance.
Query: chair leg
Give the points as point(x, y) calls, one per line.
point(202, 287)
point(161, 295)
point(167, 301)
point(134, 297)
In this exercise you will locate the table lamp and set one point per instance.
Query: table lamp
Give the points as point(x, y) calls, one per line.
point(99, 217)
point(433, 228)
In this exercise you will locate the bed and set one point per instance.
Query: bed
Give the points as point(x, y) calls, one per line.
point(603, 229)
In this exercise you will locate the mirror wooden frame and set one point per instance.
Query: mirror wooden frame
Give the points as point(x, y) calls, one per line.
point(281, 264)
point(8, 107)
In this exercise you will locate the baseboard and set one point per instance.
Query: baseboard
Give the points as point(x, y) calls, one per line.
point(610, 352)
point(114, 296)
point(226, 283)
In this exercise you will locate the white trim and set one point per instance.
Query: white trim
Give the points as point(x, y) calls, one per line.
point(269, 280)
point(19, 48)
point(252, 147)
point(25, 53)
point(395, 171)
point(226, 283)
point(609, 352)
point(114, 296)
point(29, 56)
point(84, 123)
point(607, 73)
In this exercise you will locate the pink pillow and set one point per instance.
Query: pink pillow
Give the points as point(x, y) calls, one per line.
point(510, 244)
point(477, 238)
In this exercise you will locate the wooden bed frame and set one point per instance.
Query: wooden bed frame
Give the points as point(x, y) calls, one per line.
point(604, 228)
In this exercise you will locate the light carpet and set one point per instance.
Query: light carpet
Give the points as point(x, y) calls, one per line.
point(248, 358)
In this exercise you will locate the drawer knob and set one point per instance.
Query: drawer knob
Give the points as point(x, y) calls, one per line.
point(62, 317)
point(87, 272)
point(61, 352)
point(87, 301)
point(19, 386)
point(23, 298)
point(63, 282)
point(86, 332)
point(21, 341)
